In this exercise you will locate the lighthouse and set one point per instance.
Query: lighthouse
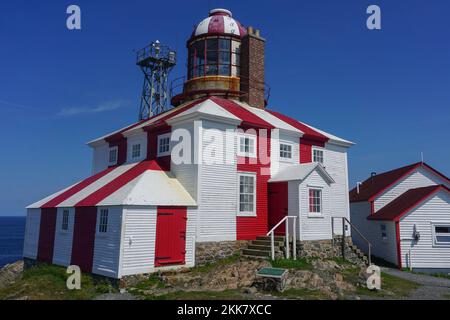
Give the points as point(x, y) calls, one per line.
point(224, 59)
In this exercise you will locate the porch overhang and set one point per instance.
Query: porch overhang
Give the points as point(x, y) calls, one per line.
point(301, 172)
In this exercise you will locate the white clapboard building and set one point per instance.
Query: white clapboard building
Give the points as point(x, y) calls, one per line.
point(219, 166)
point(405, 214)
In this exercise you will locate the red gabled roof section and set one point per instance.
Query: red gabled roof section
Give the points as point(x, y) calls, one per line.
point(248, 118)
point(373, 186)
point(397, 208)
point(75, 189)
point(94, 198)
point(309, 133)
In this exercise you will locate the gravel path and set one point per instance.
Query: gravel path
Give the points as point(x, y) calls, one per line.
point(432, 288)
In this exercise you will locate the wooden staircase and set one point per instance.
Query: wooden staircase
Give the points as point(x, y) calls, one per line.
point(260, 248)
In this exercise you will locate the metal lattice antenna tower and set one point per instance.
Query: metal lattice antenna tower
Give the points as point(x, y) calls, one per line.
point(156, 61)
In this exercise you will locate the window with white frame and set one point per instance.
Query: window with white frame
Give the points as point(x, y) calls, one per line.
point(441, 234)
point(247, 146)
point(136, 151)
point(318, 155)
point(383, 232)
point(103, 221)
point(164, 145)
point(286, 151)
point(65, 220)
point(247, 194)
point(113, 151)
point(315, 201)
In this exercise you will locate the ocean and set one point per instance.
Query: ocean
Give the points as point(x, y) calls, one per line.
point(12, 230)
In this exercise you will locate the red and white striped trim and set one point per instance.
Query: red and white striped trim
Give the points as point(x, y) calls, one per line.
point(142, 183)
point(220, 21)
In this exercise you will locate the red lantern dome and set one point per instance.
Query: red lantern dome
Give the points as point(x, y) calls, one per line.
point(219, 22)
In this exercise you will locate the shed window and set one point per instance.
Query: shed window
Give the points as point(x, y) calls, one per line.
point(247, 146)
point(164, 145)
point(247, 194)
point(65, 220)
point(441, 234)
point(103, 221)
point(285, 151)
point(315, 200)
point(136, 151)
point(113, 156)
point(318, 155)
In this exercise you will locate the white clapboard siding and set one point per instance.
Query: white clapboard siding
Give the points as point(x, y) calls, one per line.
point(313, 228)
point(335, 162)
point(138, 240)
point(107, 245)
point(186, 172)
point(276, 163)
point(217, 188)
point(418, 178)
point(385, 249)
point(31, 239)
point(424, 253)
point(100, 155)
point(191, 228)
point(62, 251)
point(138, 138)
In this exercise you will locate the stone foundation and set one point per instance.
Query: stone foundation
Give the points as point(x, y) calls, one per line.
point(208, 252)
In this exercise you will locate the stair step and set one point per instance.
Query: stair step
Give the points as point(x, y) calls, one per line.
point(256, 253)
point(259, 247)
point(267, 243)
point(277, 238)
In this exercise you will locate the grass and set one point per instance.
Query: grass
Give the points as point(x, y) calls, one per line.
point(391, 286)
point(303, 294)
point(48, 282)
point(199, 295)
point(300, 264)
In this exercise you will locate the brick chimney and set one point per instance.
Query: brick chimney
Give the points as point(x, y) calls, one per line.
point(252, 69)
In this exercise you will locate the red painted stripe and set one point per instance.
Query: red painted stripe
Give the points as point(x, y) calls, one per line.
point(121, 144)
point(47, 235)
point(248, 118)
point(84, 238)
point(75, 189)
point(248, 228)
point(306, 149)
point(216, 24)
point(152, 152)
point(308, 132)
point(105, 191)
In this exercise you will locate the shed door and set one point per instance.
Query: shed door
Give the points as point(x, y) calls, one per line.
point(170, 236)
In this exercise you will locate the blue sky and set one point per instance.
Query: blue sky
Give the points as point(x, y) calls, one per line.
point(387, 90)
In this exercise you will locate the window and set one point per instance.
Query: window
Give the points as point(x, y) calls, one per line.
point(315, 200)
point(164, 145)
point(65, 220)
point(214, 56)
point(103, 223)
point(247, 146)
point(318, 155)
point(247, 194)
point(136, 151)
point(113, 156)
point(383, 232)
point(285, 151)
point(441, 234)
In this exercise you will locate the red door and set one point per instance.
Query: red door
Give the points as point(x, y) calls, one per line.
point(84, 238)
point(170, 236)
point(278, 205)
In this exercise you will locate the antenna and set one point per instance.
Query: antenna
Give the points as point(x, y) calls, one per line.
point(156, 61)
point(421, 156)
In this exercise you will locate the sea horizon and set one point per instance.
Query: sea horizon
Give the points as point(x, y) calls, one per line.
point(12, 230)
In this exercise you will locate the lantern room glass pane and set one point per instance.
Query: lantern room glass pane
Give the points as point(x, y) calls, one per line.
point(211, 44)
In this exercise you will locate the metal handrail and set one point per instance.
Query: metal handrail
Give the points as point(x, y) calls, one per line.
point(344, 219)
point(294, 237)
